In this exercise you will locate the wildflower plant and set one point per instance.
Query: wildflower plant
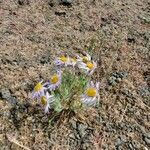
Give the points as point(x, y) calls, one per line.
point(68, 94)
point(70, 87)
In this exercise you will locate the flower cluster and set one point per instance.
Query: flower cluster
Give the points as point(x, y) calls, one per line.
point(59, 87)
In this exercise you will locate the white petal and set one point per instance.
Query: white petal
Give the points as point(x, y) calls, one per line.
point(81, 65)
point(46, 109)
point(92, 83)
point(97, 85)
point(88, 56)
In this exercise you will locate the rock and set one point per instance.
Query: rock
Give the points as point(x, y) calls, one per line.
point(112, 81)
point(66, 1)
point(117, 77)
point(52, 3)
point(77, 135)
point(45, 59)
point(72, 136)
point(12, 100)
point(128, 94)
point(5, 114)
point(147, 135)
point(59, 13)
point(140, 129)
point(145, 19)
point(131, 146)
point(118, 142)
point(73, 124)
point(131, 39)
point(123, 138)
point(82, 130)
point(144, 91)
point(147, 141)
point(23, 2)
point(5, 94)
point(147, 138)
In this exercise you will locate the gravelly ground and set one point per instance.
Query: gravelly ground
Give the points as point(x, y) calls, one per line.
point(33, 32)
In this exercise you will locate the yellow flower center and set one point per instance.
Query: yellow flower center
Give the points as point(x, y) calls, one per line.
point(90, 65)
point(43, 100)
point(63, 59)
point(73, 59)
point(54, 79)
point(91, 92)
point(85, 59)
point(38, 87)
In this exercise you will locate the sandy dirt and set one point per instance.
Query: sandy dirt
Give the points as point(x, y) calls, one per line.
point(33, 32)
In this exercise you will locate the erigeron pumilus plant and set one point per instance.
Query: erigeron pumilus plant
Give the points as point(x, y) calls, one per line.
point(70, 87)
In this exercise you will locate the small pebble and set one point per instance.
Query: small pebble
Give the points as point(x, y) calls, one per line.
point(147, 141)
point(82, 130)
point(73, 124)
point(67, 1)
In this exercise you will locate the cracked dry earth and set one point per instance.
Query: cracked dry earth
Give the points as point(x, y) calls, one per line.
point(33, 32)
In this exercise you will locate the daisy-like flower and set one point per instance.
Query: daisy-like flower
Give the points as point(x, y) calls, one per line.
point(39, 90)
point(46, 101)
point(88, 67)
point(62, 61)
point(91, 96)
point(85, 58)
point(73, 61)
point(55, 81)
